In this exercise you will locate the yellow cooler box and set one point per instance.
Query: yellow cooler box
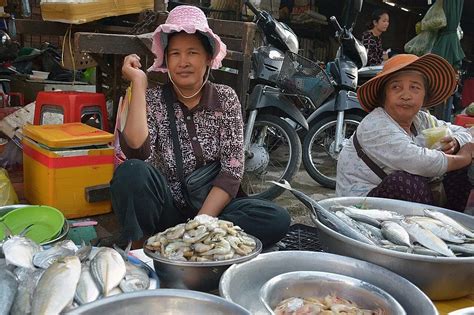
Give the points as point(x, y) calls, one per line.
point(68, 167)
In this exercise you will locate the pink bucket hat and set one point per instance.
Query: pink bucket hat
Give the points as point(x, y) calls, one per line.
point(188, 19)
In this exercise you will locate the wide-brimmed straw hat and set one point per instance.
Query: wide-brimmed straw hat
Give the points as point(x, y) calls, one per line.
point(189, 19)
point(440, 74)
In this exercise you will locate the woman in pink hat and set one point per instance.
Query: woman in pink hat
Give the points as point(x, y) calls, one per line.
point(384, 157)
point(147, 189)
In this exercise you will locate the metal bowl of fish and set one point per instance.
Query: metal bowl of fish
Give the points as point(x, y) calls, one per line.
point(316, 292)
point(194, 255)
point(162, 301)
point(430, 246)
point(48, 280)
point(241, 283)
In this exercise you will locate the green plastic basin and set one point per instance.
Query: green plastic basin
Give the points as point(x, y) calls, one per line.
point(47, 222)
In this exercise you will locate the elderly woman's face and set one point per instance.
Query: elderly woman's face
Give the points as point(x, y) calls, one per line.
point(404, 95)
point(187, 60)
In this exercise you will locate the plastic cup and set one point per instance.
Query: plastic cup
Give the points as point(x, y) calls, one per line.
point(434, 135)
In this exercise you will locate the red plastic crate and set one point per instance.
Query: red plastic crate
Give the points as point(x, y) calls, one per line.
point(72, 106)
point(464, 120)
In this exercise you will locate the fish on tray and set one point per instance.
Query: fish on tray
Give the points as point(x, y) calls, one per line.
point(34, 280)
point(435, 234)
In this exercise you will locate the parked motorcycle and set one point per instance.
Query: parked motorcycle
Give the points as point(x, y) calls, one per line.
point(340, 114)
point(272, 145)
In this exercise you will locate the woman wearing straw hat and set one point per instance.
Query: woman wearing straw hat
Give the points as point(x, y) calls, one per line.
point(384, 158)
point(148, 196)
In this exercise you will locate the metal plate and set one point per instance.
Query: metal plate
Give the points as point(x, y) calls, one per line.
point(161, 301)
point(241, 283)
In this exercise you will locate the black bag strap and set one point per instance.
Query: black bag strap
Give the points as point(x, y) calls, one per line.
point(371, 164)
point(169, 100)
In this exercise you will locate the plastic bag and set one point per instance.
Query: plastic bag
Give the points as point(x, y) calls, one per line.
point(12, 156)
point(435, 18)
point(7, 192)
point(421, 43)
point(431, 137)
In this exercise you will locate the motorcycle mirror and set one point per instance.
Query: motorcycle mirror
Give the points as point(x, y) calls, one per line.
point(351, 9)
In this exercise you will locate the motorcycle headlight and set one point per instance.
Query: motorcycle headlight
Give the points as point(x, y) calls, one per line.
point(275, 54)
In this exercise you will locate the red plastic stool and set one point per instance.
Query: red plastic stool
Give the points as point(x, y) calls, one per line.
point(59, 107)
point(464, 120)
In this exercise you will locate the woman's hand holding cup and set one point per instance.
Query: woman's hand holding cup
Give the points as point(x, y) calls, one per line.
point(449, 145)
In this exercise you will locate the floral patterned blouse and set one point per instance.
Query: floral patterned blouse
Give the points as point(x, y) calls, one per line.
point(374, 48)
point(211, 131)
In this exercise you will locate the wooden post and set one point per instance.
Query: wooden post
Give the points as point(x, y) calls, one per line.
point(159, 5)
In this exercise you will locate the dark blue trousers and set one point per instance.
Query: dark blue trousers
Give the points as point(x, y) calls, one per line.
point(143, 203)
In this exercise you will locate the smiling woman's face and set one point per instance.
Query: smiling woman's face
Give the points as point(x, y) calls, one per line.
point(187, 60)
point(404, 95)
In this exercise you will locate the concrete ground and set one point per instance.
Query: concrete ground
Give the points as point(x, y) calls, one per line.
point(108, 229)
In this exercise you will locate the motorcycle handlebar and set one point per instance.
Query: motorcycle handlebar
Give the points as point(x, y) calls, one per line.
point(251, 7)
point(335, 23)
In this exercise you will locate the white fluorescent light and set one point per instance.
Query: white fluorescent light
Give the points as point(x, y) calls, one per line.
point(405, 9)
point(390, 3)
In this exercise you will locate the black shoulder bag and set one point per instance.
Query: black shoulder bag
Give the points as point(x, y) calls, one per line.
point(198, 184)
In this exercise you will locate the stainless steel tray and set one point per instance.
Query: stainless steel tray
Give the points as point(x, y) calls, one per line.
point(241, 283)
point(441, 278)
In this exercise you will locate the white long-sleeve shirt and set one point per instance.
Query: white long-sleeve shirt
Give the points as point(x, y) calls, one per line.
point(392, 149)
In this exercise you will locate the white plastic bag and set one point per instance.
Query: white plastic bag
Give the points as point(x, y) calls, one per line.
point(431, 138)
point(7, 192)
point(435, 18)
point(422, 43)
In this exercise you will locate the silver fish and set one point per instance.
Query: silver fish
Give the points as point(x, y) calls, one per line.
point(8, 288)
point(24, 296)
point(326, 217)
point(46, 258)
point(467, 249)
point(108, 269)
point(136, 278)
point(84, 252)
point(363, 218)
point(426, 238)
point(376, 232)
point(381, 215)
point(395, 233)
point(353, 223)
point(449, 221)
point(19, 251)
point(443, 231)
point(115, 291)
point(56, 287)
point(87, 290)
point(420, 250)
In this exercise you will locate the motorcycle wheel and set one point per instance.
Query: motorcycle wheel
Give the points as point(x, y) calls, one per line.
point(319, 158)
point(274, 154)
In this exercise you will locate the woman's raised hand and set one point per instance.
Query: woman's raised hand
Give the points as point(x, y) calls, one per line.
point(131, 69)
